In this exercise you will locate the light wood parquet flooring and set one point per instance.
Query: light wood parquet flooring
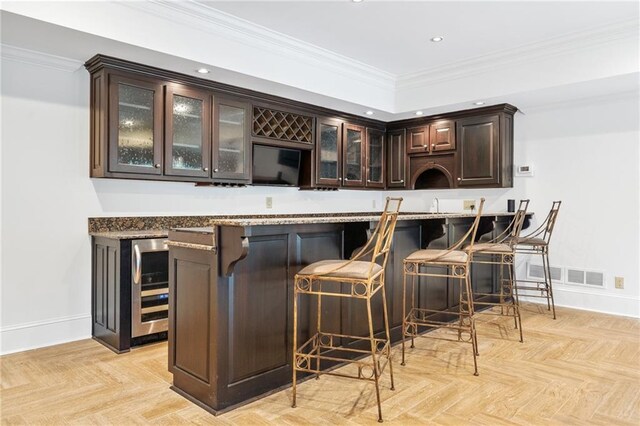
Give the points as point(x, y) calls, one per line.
point(583, 368)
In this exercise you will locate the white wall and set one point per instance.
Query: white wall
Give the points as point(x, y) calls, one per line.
point(585, 155)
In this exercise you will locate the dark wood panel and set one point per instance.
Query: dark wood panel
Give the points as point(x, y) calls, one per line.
point(478, 151)
point(397, 159)
point(258, 320)
point(111, 289)
point(418, 139)
point(192, 305)
point(442, 136)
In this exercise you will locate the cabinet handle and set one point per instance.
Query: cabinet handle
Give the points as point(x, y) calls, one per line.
point(206, 169)
point(215, 170)
point(137, 266)
point(157, 166)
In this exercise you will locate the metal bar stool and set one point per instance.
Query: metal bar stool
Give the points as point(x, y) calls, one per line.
point(456, 261)
point(537, 242)
point(501, 251)
point(361, 279)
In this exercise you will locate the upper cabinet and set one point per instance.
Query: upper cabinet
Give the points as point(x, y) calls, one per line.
point(135, 127)
point(375, 159)
point(329, 152)
point(353, 155)
point(396, 159)
point(187, 132)
point(148, 123)
point(231, 147)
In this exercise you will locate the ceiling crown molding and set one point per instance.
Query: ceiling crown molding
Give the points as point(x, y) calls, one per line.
point(32, 57)
point(561, 45)
point(210, 20)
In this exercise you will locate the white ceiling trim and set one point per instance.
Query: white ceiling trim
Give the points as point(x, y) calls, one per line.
point(12, 53)
point(222, 24)
point(556, 46)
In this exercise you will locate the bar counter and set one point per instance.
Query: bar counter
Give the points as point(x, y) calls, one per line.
point(231, 294)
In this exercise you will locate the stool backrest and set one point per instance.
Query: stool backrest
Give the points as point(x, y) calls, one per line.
point(379, 243)
point(512, 232)
point(471, 233)
point(550, 221)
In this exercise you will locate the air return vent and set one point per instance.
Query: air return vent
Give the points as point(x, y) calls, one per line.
point(583, 277)
point(535, 272)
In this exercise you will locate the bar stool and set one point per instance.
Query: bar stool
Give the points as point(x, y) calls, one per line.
point(456, 261)
point(361, 279)
point(501, 251)
point(537, 242)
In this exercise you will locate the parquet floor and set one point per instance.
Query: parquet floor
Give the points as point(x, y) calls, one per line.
point(583, 368)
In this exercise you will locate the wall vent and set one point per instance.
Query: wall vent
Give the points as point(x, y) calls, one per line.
point(535, 272)
point(584, 277)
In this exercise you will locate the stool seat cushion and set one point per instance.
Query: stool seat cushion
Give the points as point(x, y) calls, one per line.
point(531, 242)
point(441, 256)
point(490, 247)
point(358, 269)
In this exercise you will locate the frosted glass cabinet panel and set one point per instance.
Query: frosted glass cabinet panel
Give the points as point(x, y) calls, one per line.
point(375, 158)
point(187, 132)
point(232, 154)
point(353, 155)
point(329, 152)
point(136, 136)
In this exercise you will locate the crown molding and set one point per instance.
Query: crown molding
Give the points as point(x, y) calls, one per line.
point(208, 19)
point(18, 54)
point(583, 101)
point(556, 46)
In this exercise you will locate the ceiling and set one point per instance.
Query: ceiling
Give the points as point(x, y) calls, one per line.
point(394, 36)
point(350, 56)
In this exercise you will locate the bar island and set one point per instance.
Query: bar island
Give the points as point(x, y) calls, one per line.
point(231, 293)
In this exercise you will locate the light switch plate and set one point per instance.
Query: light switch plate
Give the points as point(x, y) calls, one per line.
point(269, 202)
point(620, 282)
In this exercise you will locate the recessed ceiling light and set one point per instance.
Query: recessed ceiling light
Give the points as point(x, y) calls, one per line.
point(419, 112)
point(203, 71)
point(357, 1)
point(479, 103)
point(369, 112)
point(437, 39)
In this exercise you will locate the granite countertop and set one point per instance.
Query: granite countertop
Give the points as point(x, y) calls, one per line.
point(116, 228)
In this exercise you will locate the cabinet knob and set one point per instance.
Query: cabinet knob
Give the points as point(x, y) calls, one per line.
point(401, 180)
point(424, 146)
point(346, 179)
point(206, 169)
point(433, 146)
point(368, 180)
point(340, 179)
point(459, 179)
point(215, 170)
point(157, 166)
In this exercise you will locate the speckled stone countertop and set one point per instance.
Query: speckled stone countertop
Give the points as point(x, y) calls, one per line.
point(158, 226)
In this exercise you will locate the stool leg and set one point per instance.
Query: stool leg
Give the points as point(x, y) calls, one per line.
point(413, 300)
point(515, 297)
point(373, 358)
point(472, 325)
point(550, 287)
point(510, 286)
point(501, 284)
point(461, 307)
point(386, 328)
point(547, 278)
point(295, 337)
point(318, 326)
point(404, 309)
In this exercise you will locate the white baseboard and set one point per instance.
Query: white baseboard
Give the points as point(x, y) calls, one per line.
point(38, 334)
point(592, 301)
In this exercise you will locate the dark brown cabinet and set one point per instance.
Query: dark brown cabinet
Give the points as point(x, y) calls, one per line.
point(353, 155)
point(418, 139)
point(484, 154)
point(397, 159)
point(231, 143)
point(375, 159)
point(329, 152)
point(442, 136)
point(187, 132)
point(135, 125)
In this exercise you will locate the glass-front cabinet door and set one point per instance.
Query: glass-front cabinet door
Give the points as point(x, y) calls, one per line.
point(231, 148)
point(375, 158)
point(353, 155)
point(187, 132)
point(135, 106)
point(328, 152)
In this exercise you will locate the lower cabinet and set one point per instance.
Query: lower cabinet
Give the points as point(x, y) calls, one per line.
point(111, 292)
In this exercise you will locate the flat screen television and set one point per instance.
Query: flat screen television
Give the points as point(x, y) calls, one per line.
point(276, 166)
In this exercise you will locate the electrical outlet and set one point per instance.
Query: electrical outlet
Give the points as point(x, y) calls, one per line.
point(269, 202)
point(620, 282)
point(469, 205)
point(374, 204)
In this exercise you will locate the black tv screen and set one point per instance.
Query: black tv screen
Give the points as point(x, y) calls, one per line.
point(275, 166)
